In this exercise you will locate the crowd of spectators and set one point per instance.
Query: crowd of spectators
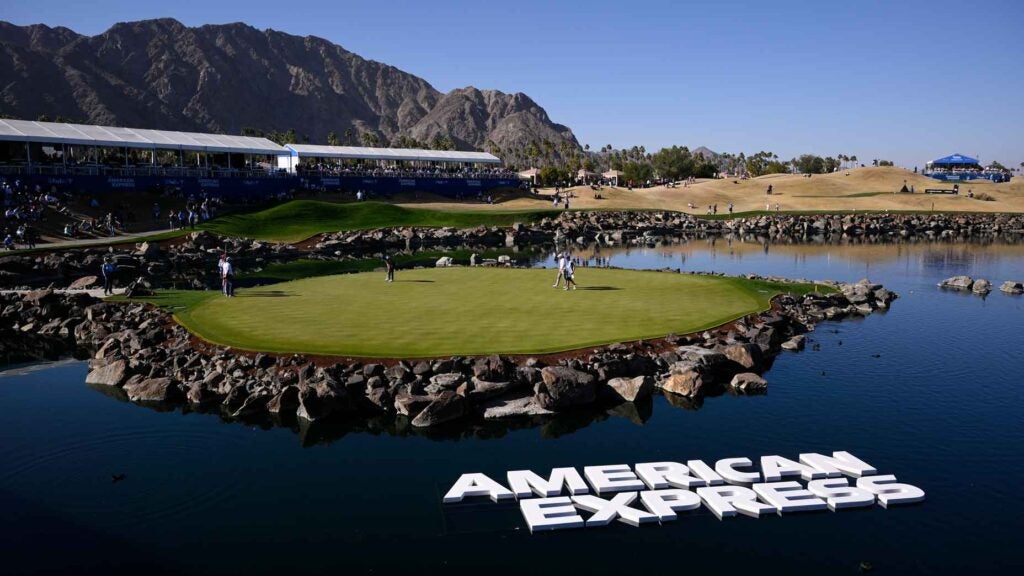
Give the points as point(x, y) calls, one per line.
point(329, 169)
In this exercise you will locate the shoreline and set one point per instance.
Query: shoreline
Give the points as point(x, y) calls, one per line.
point(139, 353)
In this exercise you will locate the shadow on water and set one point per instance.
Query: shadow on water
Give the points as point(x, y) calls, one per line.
point(361, 421)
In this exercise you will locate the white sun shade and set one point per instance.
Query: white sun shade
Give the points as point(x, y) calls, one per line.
point(88, 135)
point(363, 153)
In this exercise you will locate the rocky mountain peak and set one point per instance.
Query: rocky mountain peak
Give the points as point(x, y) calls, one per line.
point(225, 77)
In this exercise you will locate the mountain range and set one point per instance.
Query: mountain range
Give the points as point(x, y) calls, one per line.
point(225, 78)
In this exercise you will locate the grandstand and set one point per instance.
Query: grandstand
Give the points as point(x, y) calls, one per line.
point(98, 159)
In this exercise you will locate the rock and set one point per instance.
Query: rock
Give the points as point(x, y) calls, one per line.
point(561, 387)
point(748, 382)
point(112, 374)
point(309, 406)
point(685, 379)
point(443, 262)
point(701, 356)
point(795, 343)
point(445, 408)
point(493, 368)
point(381, 398)
point(286, 401)
point(957, 283)
point(483, 389)
point(514, 408)
point(254, 404)
point(83, 283)
point(447, 382)
point(410, 404)
point(147, 249)
point(198, 393)
point(631, 389)
point(981, 286)
point(746, 355)
point(152, 390)
point(1011, 287)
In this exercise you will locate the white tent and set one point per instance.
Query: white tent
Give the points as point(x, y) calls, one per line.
point(408, 154)
point(116, 137)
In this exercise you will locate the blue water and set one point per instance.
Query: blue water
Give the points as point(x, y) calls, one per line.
point(941, 408)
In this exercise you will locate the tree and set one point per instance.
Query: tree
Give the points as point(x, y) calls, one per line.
point(854, 160)
point(637, 172)
point(832, 164)
point(874, 162)
point(673, 163)
point(552, 175)
point(350, 135)
point(332, 139)
point(810, 164)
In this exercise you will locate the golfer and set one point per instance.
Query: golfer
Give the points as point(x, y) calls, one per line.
point(570, 273)
point(389, 266)
point(227, 274)
point(561, 270)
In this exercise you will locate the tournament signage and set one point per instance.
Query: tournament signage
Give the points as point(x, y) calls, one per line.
point(655, 492)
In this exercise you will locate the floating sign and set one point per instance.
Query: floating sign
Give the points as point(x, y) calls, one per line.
point(654, 492)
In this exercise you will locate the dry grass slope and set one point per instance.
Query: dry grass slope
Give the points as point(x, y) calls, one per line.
point(857, 189)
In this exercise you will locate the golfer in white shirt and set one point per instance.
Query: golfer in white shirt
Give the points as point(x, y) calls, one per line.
point(561, 270)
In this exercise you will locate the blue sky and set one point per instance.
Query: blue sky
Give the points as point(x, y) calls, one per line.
point(907, 81)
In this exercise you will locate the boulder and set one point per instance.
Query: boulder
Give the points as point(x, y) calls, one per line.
point(748, 382)
point(447, 382)
point(286, 401)
point(746, 355)
point(685, 379)
point(702, 356)
point(1011, 287)
point(483, 389)
point(957, 283)
point(795, 343)
point(514, 408)
point(200, 393)
point(631, 389)
point(111, 374)
point(493, 368)
point(981, 286)
point(254, 404)
point(561, 387)
point(410, 404)
point(83, 283)
point(152, 390)
point(317, 401)
point(147, 249)
point(445, 408)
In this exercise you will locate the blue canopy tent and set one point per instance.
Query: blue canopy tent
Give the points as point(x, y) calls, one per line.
point(955, 159)
point(960, 168)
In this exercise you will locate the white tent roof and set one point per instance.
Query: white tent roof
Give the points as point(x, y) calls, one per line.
point(87, 135)
point(360, 152)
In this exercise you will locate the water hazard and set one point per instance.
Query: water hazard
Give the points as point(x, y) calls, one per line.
point(928, 391)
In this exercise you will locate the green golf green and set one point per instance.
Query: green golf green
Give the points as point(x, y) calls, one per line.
point(468, 311)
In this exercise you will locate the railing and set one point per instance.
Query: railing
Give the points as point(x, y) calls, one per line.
point(407, 174)
point(132, 171)
point(219, 172)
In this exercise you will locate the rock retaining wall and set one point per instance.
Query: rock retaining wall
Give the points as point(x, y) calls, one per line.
point(139, 353)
